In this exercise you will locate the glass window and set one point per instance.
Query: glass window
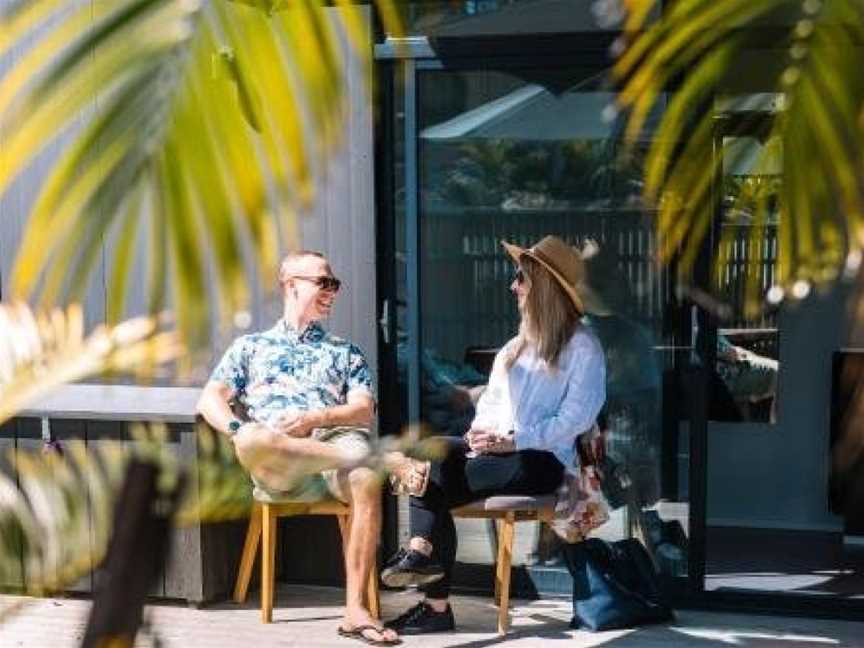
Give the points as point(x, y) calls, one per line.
point(744, 384)
point(517, 155)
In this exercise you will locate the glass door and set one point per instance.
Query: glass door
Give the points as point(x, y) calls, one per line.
point(487, 153)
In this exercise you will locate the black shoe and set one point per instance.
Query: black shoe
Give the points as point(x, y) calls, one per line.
point(422, 619)
point(410, 568)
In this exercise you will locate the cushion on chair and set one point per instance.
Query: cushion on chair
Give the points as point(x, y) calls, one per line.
point(506, 503)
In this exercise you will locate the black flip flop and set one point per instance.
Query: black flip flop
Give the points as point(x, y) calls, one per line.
point(357, 633)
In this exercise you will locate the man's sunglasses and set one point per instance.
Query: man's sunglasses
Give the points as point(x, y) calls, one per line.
point(330, 284)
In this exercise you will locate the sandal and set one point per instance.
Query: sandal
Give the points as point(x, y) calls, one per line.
point(411, 478)
point(357, 633)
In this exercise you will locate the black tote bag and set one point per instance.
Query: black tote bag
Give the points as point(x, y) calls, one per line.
point(615, 585)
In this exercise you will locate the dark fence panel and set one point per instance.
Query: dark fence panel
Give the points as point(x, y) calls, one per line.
point(466, 274)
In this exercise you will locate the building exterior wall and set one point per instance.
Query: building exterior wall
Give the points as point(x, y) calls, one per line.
point(341, 224)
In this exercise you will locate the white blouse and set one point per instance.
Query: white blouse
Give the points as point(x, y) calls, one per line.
point(547, 409)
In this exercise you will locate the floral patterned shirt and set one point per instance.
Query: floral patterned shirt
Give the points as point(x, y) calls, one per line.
point(276, 372)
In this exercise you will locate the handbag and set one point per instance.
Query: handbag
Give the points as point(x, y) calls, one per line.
point(615, 585)
point(615, 482)
point(586, 496)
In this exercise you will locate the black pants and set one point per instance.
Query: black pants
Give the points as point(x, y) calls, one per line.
point(455, 481)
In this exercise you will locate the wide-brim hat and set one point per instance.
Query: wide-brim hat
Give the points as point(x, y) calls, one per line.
point(562, 261)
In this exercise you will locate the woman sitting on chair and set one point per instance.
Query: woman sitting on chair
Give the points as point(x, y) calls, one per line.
point(546, 388)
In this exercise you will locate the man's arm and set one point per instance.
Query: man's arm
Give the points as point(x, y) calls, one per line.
point(215, 406)
point(359, 411)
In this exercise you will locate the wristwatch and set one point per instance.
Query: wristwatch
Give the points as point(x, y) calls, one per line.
point(233, 427)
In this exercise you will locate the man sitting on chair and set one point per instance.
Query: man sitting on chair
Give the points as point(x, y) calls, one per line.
point(308, 398)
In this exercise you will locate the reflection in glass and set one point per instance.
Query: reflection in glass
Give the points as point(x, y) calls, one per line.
point(745, 387)
point(770, 526)
point(517, 156)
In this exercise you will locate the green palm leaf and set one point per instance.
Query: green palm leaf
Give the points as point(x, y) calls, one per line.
point(820, 131)
point(204, 126)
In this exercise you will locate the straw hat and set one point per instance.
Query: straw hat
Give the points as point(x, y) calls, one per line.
point(562, 261)
point(570, 268)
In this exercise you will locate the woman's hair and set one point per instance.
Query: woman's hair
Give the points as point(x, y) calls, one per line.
point(549, 316)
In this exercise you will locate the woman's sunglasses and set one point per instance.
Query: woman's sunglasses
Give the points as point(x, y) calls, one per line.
point(324, 282)
point(519, 277)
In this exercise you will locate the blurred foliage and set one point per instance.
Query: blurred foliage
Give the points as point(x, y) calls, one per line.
point(56, 523)
point(45, 519)
point(698, 46)
point(191, 132)
point(40, 351)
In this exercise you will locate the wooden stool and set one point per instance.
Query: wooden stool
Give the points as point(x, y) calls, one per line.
point(508, 510)
point(262, 522)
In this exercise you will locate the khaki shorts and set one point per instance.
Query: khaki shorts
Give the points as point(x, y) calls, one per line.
point(324, 485)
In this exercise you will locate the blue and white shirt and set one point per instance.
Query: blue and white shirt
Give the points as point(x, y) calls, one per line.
point(283, 371)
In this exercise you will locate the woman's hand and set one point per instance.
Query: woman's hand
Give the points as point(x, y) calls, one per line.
point(488, 441)
point(501, 444)
point(477, 440)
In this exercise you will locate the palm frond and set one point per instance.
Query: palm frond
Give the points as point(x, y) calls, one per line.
point(205, 123)
point(58, 520)
point(700, 45)
point(40, 351)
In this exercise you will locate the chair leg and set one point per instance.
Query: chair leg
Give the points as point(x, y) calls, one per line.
point(505, 558)
point(499, 525)
point(247, 560)
point(268, 562)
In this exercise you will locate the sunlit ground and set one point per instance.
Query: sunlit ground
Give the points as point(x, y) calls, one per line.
point(308, 616)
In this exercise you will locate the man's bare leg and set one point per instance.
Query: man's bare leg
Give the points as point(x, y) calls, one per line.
point(363, 487)
point(279, 461)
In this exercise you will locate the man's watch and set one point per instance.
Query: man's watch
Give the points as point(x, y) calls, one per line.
point(234, 426)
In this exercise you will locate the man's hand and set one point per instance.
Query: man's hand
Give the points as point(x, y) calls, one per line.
point(298, 424)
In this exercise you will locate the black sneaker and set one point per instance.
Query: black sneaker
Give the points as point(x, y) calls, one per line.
point(422, 619)
point(410, 567)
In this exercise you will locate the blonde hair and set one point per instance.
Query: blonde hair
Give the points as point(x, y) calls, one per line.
point(287, 264)
point(549, 316)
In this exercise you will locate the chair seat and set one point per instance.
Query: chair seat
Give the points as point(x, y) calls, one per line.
point(505, 503)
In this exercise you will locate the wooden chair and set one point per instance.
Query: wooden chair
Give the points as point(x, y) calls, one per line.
point(507, 510)
point(262, 528)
